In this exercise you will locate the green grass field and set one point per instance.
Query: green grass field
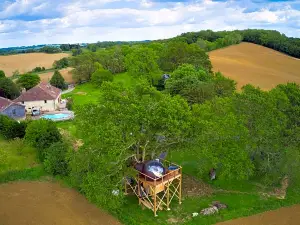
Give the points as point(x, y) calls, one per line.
point(90, 93)
point(15, 155)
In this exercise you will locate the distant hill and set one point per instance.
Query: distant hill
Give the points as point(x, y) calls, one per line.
point(257, 65)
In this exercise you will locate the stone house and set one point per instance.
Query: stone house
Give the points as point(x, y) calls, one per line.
point(43, 97)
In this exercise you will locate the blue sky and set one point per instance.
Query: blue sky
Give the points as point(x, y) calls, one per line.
point(30, 22)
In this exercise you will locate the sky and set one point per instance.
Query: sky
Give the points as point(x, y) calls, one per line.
point(32, 22)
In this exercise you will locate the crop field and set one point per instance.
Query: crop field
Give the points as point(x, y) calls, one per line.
point(66, 73)
point(253, 64)
point(27, 62)
point(48, 203)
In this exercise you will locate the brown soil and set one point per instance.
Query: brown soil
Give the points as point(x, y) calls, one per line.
point(44, 203)
point(257, 65)
point(193, 187)
point(27, 62)
point(283, 216)
point(66, 73)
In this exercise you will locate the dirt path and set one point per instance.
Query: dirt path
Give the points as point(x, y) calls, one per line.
point(44, 203)
point(282, 216)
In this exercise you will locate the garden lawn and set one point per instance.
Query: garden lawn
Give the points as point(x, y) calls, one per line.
point(239, 205)
point(89, 93)
point(15, 155)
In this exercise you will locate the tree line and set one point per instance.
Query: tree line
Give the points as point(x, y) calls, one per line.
point(211, 40)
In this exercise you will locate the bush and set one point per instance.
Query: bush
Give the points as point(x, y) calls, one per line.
point(62, 63)
point(55, 159)
point(101, 75)
point(41, 134)
point(38, 69)
point(11, 129)
point(70, 103)
point(2, 74)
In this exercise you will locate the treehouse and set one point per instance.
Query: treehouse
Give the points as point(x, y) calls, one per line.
point(157, 183)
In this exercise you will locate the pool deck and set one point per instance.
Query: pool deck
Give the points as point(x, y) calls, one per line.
point(70, 117)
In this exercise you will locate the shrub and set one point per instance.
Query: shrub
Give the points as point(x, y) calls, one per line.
point(11, 129)
point(38, 69)
point(2, 74)
point(41, 134)
point(56, 162)
point(62, 63)
point(101, 75)
point(70, 103)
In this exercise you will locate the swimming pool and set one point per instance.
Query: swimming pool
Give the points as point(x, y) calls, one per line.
point(58, 116)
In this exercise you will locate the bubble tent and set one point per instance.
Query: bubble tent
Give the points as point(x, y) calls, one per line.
point(157, 184)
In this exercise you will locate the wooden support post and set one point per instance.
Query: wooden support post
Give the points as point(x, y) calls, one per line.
point(168, 196)
point(154, 202)
point(139, 191)
point(180, 188)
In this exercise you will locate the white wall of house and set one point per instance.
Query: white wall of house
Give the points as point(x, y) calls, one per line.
point(44, 106)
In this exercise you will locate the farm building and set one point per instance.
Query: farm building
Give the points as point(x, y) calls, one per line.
point(42, 97)
point(12, 109)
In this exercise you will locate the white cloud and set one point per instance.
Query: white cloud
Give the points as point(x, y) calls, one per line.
point(99, 20)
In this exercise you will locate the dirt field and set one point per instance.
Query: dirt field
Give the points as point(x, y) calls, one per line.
point(257, 65)
point(27, 62)
point(66, 73)
point(44, 203)
point(283, 216)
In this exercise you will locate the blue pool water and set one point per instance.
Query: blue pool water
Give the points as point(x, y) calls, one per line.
point(58, 116)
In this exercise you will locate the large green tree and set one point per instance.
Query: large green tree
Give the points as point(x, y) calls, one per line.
point(28, 80)
point(176, 53)
point(129, 124)
point(57, 80)
point(84, 66)
point(221, 140)
point(198, 85)
point(112, 59)
point(142, 62)
point(101, 75)
point(8, 89)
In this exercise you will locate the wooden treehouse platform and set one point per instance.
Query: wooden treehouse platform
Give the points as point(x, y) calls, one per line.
point(157, 194)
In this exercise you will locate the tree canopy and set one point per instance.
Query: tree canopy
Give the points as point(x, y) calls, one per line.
point(176, 53)
point(57, 80)
point(28, 80)
point(142, 62)
point(129, 124)
point(101, 75)
point(8, 89)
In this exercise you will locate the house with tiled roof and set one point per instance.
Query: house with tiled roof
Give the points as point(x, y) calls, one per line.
point(43, 97)
point(12, 109)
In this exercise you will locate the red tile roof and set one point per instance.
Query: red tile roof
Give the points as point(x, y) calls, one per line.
point(5, 103)
point(43, 91)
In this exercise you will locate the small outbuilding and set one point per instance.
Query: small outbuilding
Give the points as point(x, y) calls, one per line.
point(12, 109)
